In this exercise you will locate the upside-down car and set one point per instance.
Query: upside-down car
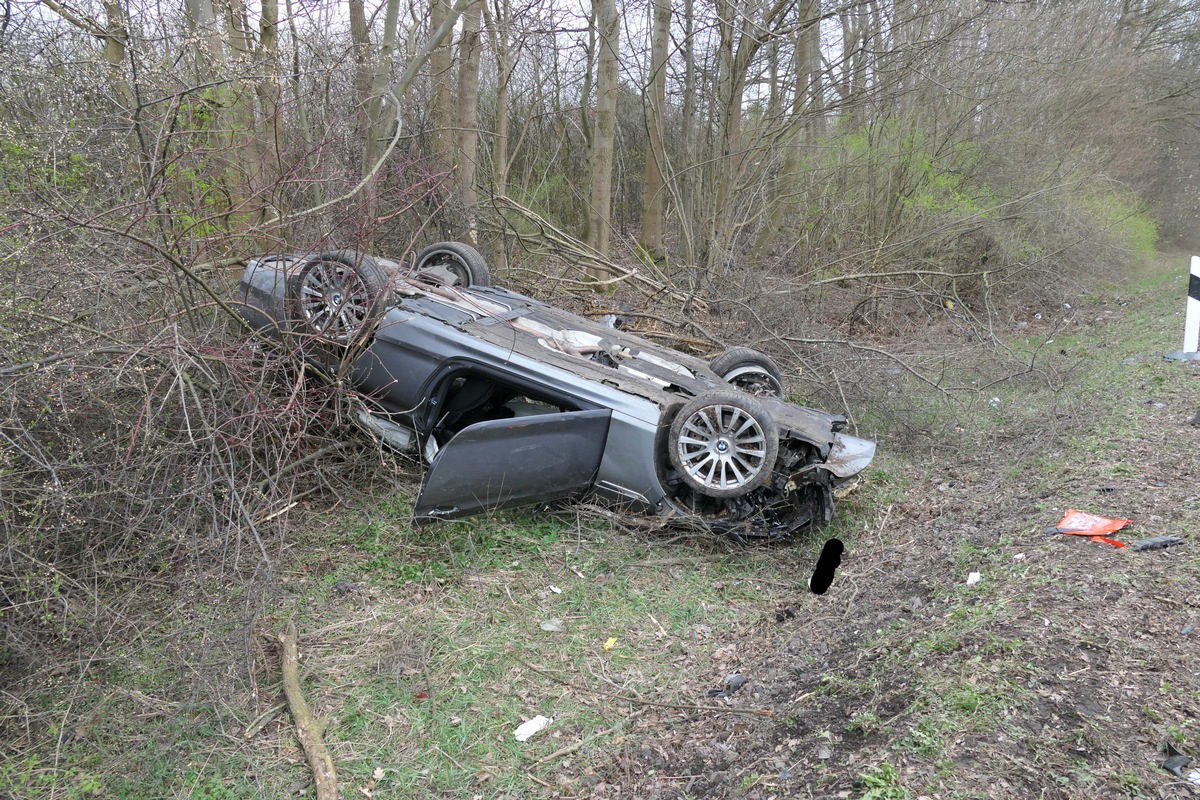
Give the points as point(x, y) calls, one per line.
point(510, 401)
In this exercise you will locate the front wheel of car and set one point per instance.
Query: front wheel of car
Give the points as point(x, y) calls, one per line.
point(723, 444)
point(454, 263)
point(749, 370)
point(338, 296)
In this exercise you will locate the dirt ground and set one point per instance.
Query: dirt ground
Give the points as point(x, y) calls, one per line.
point(1061, 674)
point(1069, 665)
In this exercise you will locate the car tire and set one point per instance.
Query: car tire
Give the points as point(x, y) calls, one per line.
point(461, 260)
point(723, 444)
point(338, 297)
point(750, 371)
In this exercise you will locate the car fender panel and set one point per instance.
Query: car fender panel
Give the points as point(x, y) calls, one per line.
point(261, 292)
point(512, 462)
point(849, 455)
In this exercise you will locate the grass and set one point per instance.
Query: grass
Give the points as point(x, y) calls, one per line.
point(430, 663)
point(883, 783)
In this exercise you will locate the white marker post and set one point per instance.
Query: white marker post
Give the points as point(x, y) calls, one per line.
point(1191, 322)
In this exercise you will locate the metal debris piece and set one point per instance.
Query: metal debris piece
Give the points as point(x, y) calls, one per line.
point(730, 685)
point(1156, 543)
point(1175, 761)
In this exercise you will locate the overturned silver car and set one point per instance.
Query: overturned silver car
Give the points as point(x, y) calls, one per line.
point(512, 402)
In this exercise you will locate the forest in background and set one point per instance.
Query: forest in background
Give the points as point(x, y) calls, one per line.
point(825, 138)
point(821, 175)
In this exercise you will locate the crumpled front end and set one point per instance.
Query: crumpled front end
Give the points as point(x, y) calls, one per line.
point(799, 493)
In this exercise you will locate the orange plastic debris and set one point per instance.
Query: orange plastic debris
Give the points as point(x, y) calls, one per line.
point(1080, 523)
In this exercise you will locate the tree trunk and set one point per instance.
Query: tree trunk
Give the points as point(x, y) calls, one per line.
point(740, 44)
point(248, 162)
point(468, 117)
point(498, 34)
point(300, 105)
point(798, 131)
point(268, 88)
point(211, 52)
point(115, 37)
point(585, 94)
point(688, 183)
point(653, 190)
point(360, 40)
point(600, 214)
point(441, 108)
point(373, 149)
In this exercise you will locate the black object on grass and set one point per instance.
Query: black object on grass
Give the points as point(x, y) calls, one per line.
point(827, 564)
point(1156, 543)
point(1176, 760)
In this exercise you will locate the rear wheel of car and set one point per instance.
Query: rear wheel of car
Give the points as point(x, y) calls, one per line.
point(339, 296)
point(723, 444)
point(453, 262)
point(751, 371)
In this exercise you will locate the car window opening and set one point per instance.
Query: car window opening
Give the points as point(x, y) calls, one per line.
point(473, 397)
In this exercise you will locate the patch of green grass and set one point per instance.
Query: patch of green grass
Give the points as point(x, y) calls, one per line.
point(441, 678)
point(29, 777)
point(1129, 783)
point(926, 739)
point(866, 722)
point(883, 783)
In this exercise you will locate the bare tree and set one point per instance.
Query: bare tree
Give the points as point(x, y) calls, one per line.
point(441, 106)
point(600, 212)
point(467, 140)
point(653, 191)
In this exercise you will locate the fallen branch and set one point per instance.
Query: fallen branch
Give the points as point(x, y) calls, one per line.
point(308, 729)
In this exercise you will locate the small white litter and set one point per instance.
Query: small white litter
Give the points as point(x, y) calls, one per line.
point(1194, 777)
point(528, 729)
point(974, 578)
